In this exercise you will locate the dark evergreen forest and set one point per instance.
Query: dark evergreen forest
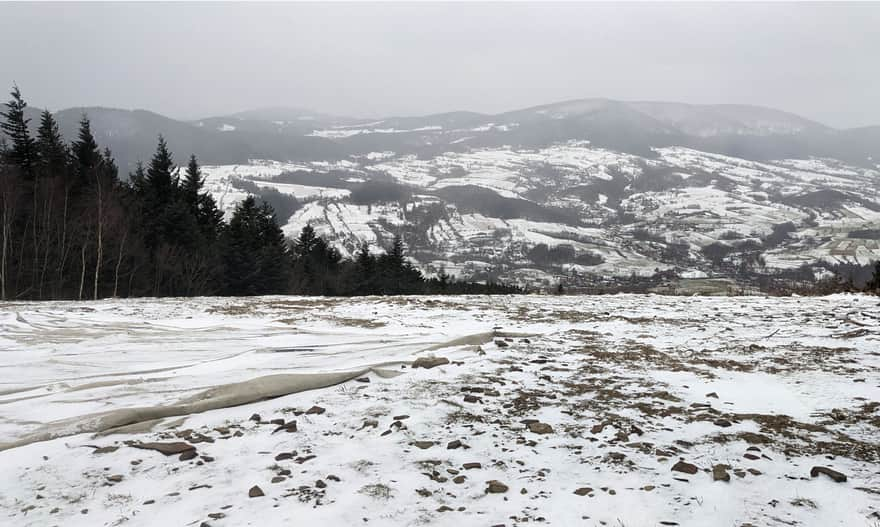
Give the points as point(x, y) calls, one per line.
point(72, 228)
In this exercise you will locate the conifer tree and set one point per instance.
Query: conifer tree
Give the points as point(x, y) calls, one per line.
point(86, 153)
point(160, 181)
point(255, 253)
point(192, 183)
point(22, 151)
point(52, 152)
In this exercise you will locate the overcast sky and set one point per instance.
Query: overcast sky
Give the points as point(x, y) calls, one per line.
point(198, 60)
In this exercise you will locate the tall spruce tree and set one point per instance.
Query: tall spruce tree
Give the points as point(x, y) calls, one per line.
point(22, 150)
point(256, 258)
point(52, 152)
point(201, 204)
point(192, 183)
point(86, 153)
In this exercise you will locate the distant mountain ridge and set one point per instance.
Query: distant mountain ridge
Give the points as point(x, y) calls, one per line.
point(297, 134)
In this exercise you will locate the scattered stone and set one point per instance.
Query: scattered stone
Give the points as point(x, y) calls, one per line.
point(255, 492)
point(279, 422)
point(105, 450)
point(496, 487)
point(719, 473)
point(320, 484)
point(713, 395)
point(400, 417)
point(363, 379)
point(284, 456)
point(331, 477)
point(751, 456)
point(687, 468)
point(469, 398)
point(169, 449)
point(597, 429)
point(453, 445)
point(540, 428)
point(289, 427)
point(315, 410)
point(116, 478)
point(189, 454)
point(471, 466)
point(723, 423)
point(501, 344)
point(583, 491)
point(369, 422)
point(458, 480)
point(429, 362)
point(216, 516)
point(831, 473)
point(422, 444)
point(278, 479)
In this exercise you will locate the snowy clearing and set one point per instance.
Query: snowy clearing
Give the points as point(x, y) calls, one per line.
point(619, 410)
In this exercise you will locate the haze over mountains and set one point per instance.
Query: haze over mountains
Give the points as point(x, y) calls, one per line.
point(282, 133)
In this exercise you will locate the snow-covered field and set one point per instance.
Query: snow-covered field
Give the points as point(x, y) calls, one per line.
point(613, 410)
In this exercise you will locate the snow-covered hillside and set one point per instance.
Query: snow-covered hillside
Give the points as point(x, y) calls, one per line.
point(480, 211)
point(598, 411)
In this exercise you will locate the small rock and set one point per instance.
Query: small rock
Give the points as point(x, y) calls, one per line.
point(189, 454)
point(116, 478)
point(363, 379)
point(423, 444)
point(216, 516)
point(719, 473)
point(470, 398)
point(287, 427)
point(453, 445)
point(105, 450)
point(501, 344)
point(496, 487)
point(458, 480)
point(169, 449)
point(255, 492)
point(320, 484)
point(256, 418)
point(713, 395)
point(723, 423)
point(471, 466)
point(315, 410)
point(278, 479)
point(583, 491)
point(429, 362)
point(369, 422)
point(444, 508)
point(687, 468)
point(540, 428)
point(831, 473)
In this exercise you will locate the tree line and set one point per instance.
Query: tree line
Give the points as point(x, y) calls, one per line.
point(71, 228)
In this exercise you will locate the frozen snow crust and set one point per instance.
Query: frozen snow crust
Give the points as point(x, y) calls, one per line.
point(615, 410)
